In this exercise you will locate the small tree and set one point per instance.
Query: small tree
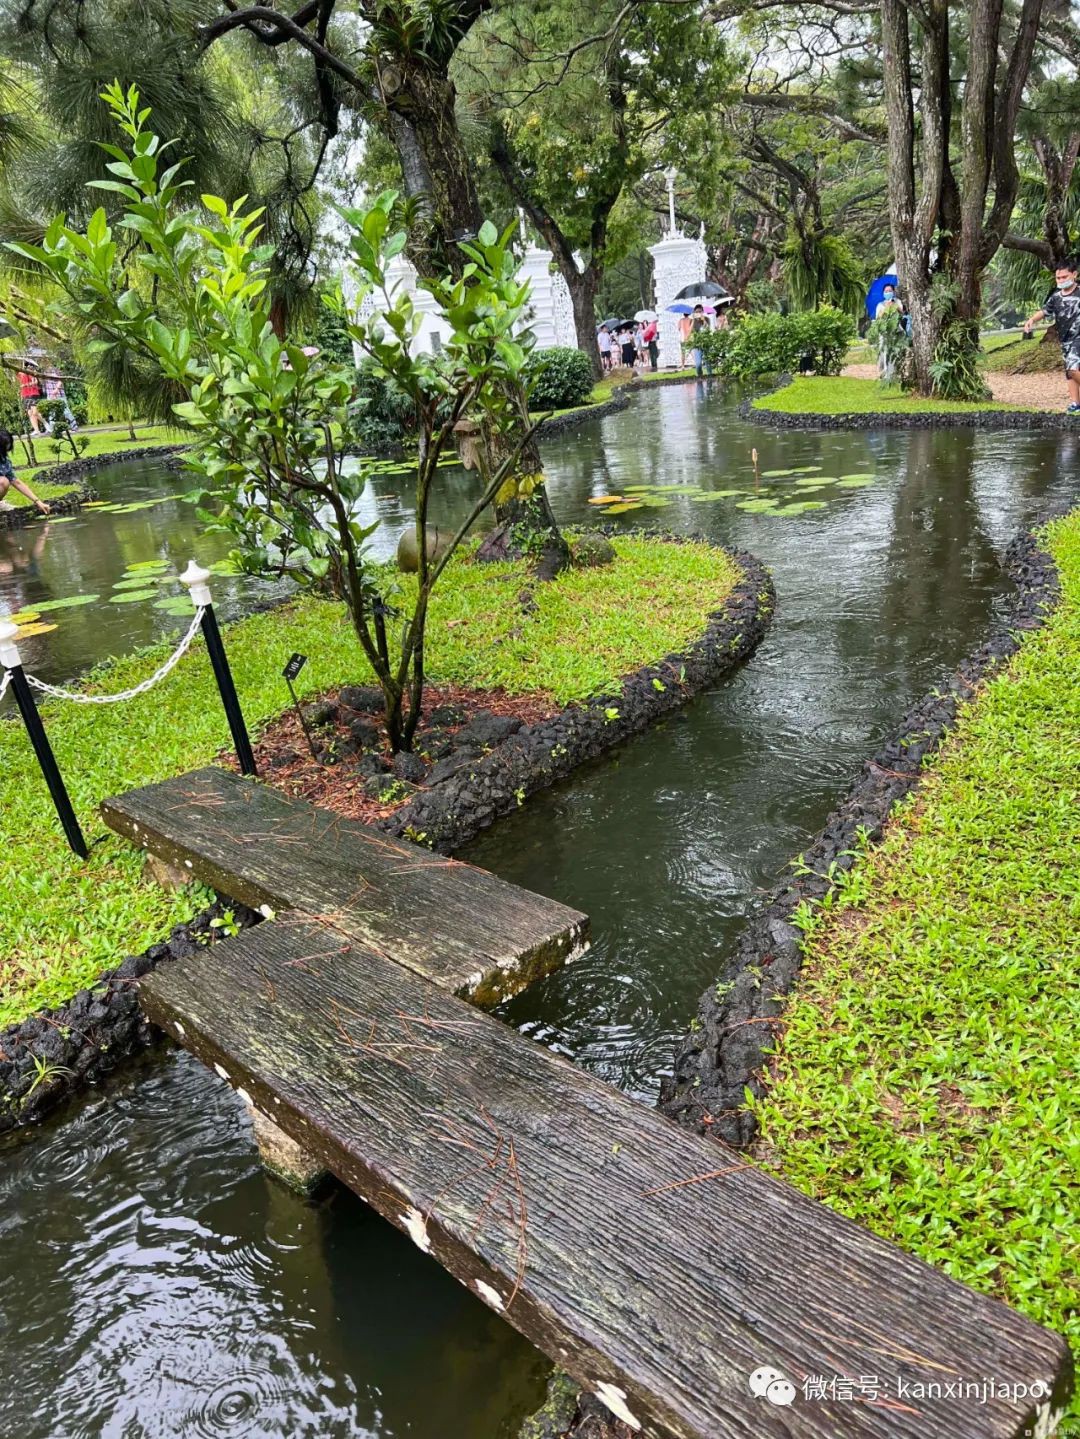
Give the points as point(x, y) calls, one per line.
point(270, 422)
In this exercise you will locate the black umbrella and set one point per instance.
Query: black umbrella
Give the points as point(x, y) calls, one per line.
point(615, 323)
point(704, 290)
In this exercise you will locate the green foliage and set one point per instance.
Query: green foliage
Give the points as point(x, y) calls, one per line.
point(267, 418)
point(65, 922)
point(820, 268)
point(386, 421)
point(771, 343)
point(954, 368)
point(559, 379)
point(925, 1084)
point(889, 338)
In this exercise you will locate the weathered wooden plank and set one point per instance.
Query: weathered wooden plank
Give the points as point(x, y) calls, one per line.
point(457, 925)
point(658, 1268)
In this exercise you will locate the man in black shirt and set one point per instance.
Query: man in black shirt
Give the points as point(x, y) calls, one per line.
point(1063, 307)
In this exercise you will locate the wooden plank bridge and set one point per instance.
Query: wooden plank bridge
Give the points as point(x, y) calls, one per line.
point(659, 1269)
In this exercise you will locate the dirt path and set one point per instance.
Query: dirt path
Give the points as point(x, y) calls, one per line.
point(1033, 392)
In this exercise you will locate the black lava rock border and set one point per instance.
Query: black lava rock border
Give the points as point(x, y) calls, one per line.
point(539, 755)
point(894, 420)
point(737, 1021)
point(52, 1055)
point(67, 504)
point(620, 400)
point(75, 470)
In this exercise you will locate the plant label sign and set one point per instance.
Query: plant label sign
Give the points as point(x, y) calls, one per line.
point(293, 668)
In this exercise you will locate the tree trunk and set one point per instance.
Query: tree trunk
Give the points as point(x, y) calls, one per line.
point(583, 291)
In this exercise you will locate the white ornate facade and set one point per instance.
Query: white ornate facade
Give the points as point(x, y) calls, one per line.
point(550, 313)
point(677, 261)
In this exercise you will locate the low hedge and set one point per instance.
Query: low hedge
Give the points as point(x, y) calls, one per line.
point(772, 344)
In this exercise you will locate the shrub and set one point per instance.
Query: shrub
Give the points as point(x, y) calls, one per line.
point(387, 422)
point(773, 344)
point(559, 379)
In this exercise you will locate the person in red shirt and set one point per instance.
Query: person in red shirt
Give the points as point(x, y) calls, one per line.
point(29, 395)
point(649, 338)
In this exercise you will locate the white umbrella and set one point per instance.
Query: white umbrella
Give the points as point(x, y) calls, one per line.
point(645, 315)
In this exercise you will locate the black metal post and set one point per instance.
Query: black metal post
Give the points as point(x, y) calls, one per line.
point(223, 675)
point(24, 698)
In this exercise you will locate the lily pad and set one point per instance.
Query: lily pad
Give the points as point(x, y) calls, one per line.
point(69, 603)
point(62, 519)
point(854, 483)
point(707, 495)
point(137, 582)
point(778, 474)
point(142, 566)
point(175, 605)
point(28, 631)
point(625, 507)
point(807, 470)
point(812, 481)
point(606, 500)
point(129, 597)
point(857, 477)
point(23, 617)
point(801, 506)
point(758, 506)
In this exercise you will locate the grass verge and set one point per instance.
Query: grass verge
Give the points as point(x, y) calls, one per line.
point(841, 396)
point(927, 1079)
point(115, 440)
point(65, 921)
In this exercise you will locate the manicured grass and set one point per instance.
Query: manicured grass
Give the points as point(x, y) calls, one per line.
point(840, 396)
point(927, 1080)
point(65, 921)
point(604, 389)
point(115, 439)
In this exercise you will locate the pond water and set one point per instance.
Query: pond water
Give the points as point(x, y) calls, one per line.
point(153, 1282)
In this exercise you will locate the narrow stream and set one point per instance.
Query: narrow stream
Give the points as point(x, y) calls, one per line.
point(153, 1283)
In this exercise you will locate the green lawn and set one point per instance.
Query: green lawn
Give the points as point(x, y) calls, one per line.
point(839, 396)
point(65, 921)
point(928, 1081)
point(40, 488)
point(99, 442)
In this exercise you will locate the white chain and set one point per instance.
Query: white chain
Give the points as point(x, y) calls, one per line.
point(83, 699)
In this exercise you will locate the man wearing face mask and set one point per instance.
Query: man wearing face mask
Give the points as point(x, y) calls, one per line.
point(1063, 307)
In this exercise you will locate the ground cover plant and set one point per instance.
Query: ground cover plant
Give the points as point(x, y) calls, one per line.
point(927, 1080)
point(813, 395)
point(66, 921)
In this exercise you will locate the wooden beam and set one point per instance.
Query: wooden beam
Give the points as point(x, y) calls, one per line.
point(658, 1268)
point(456, 925)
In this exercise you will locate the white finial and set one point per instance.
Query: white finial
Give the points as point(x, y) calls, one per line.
point(195, 579)
point(670, 176)
point(9, 651)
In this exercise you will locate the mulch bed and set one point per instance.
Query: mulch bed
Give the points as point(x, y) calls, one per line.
point(355, 761)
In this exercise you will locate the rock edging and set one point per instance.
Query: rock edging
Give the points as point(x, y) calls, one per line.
point(75, 469)
point(66, 504)
point(620, 400)
point(50, 1056)
point(898, 420)
point(726, 1050)
point(539, 755)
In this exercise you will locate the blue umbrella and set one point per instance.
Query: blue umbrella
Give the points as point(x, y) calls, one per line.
point(679, 308)
point(876, 292)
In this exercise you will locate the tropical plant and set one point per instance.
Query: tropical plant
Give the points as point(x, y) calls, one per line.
point(270, 422)
point(821, 268)
point(772, 344)
point(889, 338)
point(560, 378)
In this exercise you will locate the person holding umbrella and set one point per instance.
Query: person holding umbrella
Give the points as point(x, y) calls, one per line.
point(700, 324)
point(650, 337)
